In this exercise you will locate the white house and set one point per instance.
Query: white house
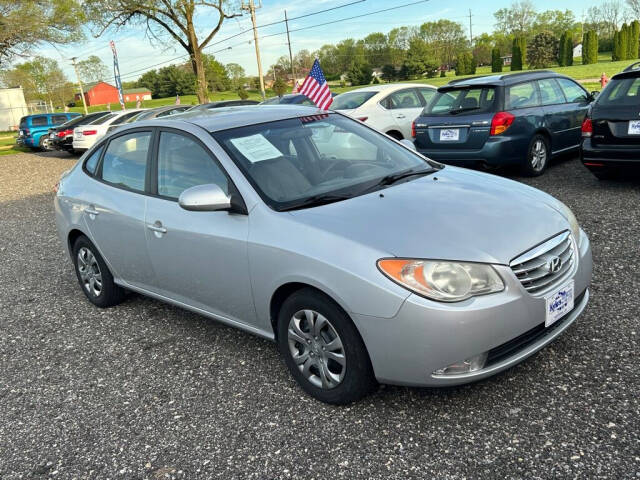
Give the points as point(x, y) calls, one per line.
point(12, 108)
point(577, 50)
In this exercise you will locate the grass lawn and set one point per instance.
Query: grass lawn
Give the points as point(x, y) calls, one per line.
point(8, 144)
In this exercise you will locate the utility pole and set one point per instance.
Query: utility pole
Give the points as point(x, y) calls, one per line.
point(84, 104)
point(251, 8)
point(470, 29)
point(293, 72)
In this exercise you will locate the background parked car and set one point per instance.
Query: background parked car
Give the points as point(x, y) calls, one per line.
point(611, 131)
point(158, 113)
point(224, 103)
point(289, 99)
point(61, 137)
point(518, 119)
point(34, 129)
point(388, 108)
point(85, 135)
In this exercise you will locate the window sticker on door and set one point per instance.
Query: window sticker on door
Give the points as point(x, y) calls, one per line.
point(256, 148)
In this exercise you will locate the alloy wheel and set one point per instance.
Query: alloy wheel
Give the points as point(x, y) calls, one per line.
point(89, 272)
point(316, 349)
point(538, 155)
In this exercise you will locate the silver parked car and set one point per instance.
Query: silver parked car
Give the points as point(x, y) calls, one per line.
point(364, 261)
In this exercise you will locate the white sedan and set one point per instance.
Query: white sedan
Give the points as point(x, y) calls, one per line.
point(84, 136)
point(389, 108)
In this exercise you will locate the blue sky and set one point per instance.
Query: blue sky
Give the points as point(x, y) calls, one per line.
point(136, 53)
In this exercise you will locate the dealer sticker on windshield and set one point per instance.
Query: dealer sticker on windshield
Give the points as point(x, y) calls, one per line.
point(634, 127)
point(449, 134)
point(559, 304)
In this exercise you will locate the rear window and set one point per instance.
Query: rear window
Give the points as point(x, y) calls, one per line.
point(623, 91)
point(458, 100)
point(350, 100)
point(39, 121)
point(101, 120)
point(58, 119)
point(123, 118)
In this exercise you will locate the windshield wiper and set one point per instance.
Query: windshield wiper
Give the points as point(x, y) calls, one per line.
point(395, 177)
point(317, 200)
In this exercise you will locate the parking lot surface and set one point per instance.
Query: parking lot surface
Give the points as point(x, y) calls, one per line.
point(146, 390)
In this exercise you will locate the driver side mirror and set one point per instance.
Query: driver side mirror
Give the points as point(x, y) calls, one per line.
point(594, 94)
point(408, 143)
point(210, 198)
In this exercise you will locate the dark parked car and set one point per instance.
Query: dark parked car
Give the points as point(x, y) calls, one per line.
point(518, 119)
point(289, 99)
point(61, 137)
point(224, 103)
point(611, 131)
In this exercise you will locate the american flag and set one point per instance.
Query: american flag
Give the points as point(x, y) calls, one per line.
point(316, 88)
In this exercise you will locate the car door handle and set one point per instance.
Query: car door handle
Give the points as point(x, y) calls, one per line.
point(157, 228)
point(91, 210)
point(400, 116)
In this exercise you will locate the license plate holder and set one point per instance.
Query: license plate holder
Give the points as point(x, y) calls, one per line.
point(634, 127)
point(559, 303)
point(449, 134)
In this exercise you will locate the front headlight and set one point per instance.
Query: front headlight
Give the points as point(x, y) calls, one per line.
point(441, 280)
point(574, 226)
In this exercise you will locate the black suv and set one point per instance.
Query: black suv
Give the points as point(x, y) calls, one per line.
point(611, 131)
point(515, 119)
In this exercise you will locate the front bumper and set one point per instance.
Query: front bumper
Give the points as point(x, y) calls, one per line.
point(425, 335)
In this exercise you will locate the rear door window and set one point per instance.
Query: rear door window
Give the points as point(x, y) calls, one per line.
point(550, 92)
point(39, 121)
point(58, 119)
point(522, 95)
point(125, 161)
point(351, 100)
point(572, 91)
point(426, 94)
point(407, 98)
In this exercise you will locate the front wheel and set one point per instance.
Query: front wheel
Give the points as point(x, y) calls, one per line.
point(323, 349)
point(538, 156)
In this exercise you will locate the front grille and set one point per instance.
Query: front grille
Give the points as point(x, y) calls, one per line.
point(534, 267)
point(521, 342)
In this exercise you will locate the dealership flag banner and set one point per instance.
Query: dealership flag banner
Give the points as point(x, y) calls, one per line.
point(116, 73)
point(316, 88)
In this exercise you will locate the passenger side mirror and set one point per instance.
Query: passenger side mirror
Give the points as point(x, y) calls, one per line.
point(408, 143)
point(594, 94)
point(205, 198)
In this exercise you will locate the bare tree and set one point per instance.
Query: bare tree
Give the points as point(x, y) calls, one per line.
point(177, 18)
point(612, 14)
point(634, 6)
point(517, 19)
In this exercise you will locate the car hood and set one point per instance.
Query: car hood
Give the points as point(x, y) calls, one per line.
point(452, 214)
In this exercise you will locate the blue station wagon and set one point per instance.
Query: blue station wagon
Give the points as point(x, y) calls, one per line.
point(518, 119)
point(34, 129)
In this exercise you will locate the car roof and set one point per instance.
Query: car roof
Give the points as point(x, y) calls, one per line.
point(500, 80)
point(224, 118)
point(632, 71)
point(389, 86)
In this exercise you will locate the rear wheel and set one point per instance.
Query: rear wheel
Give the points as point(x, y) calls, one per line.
point(323, 350)
point(45, 143)
point(538, 156)
point(94, 276)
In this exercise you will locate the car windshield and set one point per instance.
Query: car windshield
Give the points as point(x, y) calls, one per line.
point(101, 120)
point(458, 100)
point(623, 91)
point(292, 163)
point(350, 100)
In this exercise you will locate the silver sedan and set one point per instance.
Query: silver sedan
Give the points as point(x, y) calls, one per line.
point(363, 260)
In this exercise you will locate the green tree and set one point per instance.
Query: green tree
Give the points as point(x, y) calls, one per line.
point(624, 42)
point(279, 87)
point(519, 51)
point(565, 49)
point(465, 65)
point(242, 93)
point(92, 69)
point(417, 57)
point(634, 43)
point(389, 72)
point(24, 24)
point(496, 60)
point(555, 21)
point(517, 20)
point(41, 79)
point(542, 51)
point(590, 47)
point(236, 75)
point(360, 74)
point(444, 39)
point(216, 74)
point(150, 80)
point(168, 21)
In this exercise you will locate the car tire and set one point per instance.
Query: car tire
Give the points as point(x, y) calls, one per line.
point(538, 156)
point(312, 355)
point(94, 277)
point(44, 144)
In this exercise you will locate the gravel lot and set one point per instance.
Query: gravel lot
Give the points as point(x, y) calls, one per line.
point(146, 390)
